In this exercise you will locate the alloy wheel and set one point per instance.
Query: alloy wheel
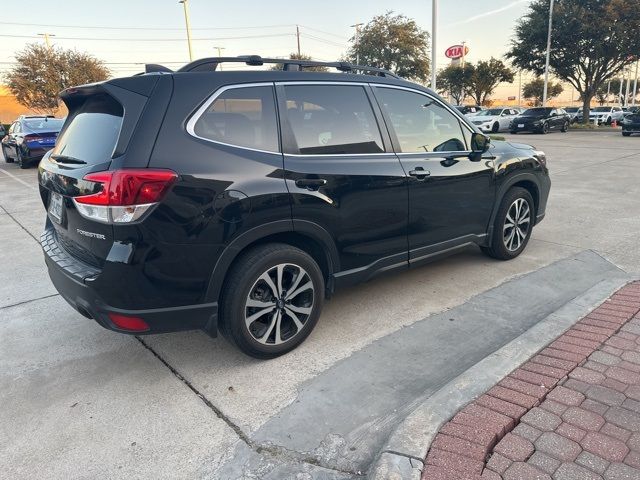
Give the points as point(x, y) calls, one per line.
point(516, 224)
point(279, 304)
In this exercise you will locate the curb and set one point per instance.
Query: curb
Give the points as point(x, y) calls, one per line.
point(403, 455)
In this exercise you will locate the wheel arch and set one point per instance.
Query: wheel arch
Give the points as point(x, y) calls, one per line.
point(528, 181)
point(307, 236)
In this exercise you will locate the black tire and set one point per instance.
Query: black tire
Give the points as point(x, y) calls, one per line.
point(565, 127)
point(498, 248)
point(626, 134)
point(6, 157)
point(243, 284)
point(513, 132)
point(545, 128)
point(495, 128)
point(20, 159)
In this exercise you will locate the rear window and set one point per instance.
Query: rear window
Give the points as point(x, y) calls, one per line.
point(44, 124)
point(243, 117)
point(92, 133)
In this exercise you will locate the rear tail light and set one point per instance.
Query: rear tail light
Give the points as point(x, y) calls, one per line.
point(124, 196)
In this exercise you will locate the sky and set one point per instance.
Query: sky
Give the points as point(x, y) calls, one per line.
point(128, 33)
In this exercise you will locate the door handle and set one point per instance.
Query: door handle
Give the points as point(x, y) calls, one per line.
point(311, 183)
point(420, 173)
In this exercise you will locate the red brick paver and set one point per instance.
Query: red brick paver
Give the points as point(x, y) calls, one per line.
point(571, 411)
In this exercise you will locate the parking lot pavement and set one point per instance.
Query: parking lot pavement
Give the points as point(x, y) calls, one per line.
point(51, 356)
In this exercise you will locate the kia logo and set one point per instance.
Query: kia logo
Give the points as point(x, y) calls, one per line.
point(455, 51)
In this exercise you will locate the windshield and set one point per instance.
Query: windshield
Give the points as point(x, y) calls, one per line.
point(601, 109)
point(490, 112)
point(44, 124)
point(534, 112)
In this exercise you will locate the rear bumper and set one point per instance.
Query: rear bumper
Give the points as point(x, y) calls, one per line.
point(74, 280)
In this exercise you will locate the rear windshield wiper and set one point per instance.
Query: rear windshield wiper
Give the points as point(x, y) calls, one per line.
point(67, 159)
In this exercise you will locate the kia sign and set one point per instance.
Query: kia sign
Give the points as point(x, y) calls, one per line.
point(455, 51)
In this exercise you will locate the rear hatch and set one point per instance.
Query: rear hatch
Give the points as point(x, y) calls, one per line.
point(94, 138)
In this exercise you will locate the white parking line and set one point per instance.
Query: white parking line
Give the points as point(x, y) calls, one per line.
point(17, 179)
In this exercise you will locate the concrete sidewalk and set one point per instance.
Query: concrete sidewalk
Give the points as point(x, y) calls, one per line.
point(571, 412)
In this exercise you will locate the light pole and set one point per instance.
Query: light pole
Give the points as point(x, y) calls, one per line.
point(185, 4)
point(357, 27)
point(298, 39)
point(626, 92)
point(434, 42)
point(546, 65)
point(635, 86)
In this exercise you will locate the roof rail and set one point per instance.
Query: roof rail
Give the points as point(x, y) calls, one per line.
point(211, 64)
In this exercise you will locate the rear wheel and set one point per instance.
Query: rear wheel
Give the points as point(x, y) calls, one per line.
point(626, 134)
point(513, 225)
point(545, 128)
point(565, 127)
point(20, 159)
point(513, 132)
point(6, 157)
point(272, 300)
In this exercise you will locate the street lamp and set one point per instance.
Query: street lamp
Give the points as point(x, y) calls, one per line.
point(434, 42)
point(546, 66)
point(186, 21)
point(219, 49)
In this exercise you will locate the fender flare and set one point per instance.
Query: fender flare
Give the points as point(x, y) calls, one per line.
point(237, 245)
point(503, 189)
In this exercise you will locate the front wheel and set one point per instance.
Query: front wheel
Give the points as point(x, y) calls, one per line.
point(495, 128)
point(545, 128)
point(513, 225)
point(272, 300)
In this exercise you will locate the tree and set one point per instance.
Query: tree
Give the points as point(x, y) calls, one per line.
point(454, 80)
point(535, 88)
point(485, 77)
point(41, 73)
point(393, 42)
point(592, 41)
point(302, 56)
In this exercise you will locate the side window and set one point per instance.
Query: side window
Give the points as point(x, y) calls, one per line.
point(332, 119)
point(420, 123)
point(244, 117)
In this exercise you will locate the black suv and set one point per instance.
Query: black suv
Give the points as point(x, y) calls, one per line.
point(239, 200)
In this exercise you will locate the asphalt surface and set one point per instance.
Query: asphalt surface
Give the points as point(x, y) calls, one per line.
point(81, 402)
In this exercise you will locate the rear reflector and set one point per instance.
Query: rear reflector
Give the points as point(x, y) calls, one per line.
point(124, 196)
point(133, 324)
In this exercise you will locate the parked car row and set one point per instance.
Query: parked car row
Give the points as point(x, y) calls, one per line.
point(541, 120)
point(29, 138)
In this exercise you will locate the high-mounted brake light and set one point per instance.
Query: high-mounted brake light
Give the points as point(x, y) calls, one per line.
point(124, 195)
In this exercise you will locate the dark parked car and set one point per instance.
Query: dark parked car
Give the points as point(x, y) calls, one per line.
point(29, 138)
point(541, 120)
point(631, 124)
point(239, 200)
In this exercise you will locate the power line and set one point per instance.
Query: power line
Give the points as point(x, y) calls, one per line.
point(108, 39)
point(104, 27)
point(342, 37)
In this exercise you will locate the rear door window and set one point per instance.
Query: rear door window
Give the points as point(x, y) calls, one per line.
point(332, 119)
point(92, 132)
point(242, 117)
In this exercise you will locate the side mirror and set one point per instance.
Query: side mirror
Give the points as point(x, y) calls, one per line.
point(479, 144)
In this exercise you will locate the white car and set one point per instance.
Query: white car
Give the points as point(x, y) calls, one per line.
point(494, 120)
point(606, 115)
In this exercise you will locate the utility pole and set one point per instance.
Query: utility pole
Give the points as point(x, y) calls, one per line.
point(298, 37)
point(608, 92)
point(46, 39)
point(185, 4)
point(219, 49)
point(546, 66)
point(434, 42)
point(357, 27)
point(635, 86)
point(620, 98)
